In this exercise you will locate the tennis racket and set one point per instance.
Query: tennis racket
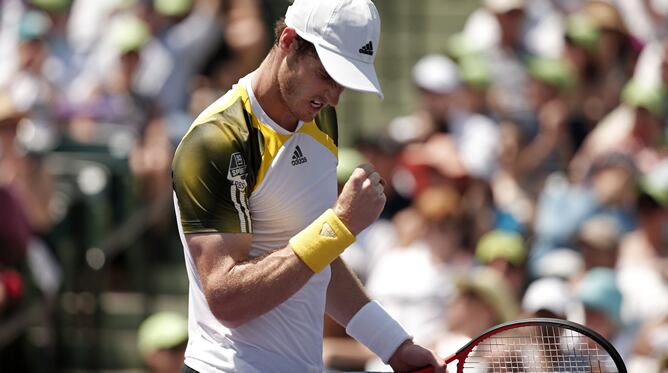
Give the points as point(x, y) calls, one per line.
point(537, 345)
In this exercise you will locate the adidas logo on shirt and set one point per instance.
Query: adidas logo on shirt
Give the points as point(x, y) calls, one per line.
point(367, 49)
point(298, 157)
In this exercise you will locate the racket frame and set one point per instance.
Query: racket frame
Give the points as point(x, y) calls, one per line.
point(463, 352)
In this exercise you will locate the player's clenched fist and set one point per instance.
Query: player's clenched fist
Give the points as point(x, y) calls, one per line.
point(362, 199)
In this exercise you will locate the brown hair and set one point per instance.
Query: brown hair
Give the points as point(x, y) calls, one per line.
point(303, 46)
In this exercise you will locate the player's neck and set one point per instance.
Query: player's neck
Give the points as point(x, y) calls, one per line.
point(267, 92)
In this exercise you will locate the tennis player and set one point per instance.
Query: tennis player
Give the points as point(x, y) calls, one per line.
point(256, 198)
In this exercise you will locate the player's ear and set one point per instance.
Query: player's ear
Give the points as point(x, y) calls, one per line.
point(287, 39)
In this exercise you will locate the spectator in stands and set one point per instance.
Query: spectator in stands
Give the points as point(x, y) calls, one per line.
point(647, 20)
point(547, 147)
point(114, 104)
point(598, 240)
point(437, 81)
point(509, 95)
point(615, 55)
point(184, 32)
point(28, 272)
point(161, 339)
point(30, 87)
point(563, 263)
point(451, 116)
point(642, 261)
point(238, 51)
point(476, 75)
point(505, 251)
point(413, 278)
point(22, 172)
point(244, 42)
point(549, 297)
point(483, 300)
point(477, 136)
point(581, 41)
point(563, 206)
point(634, 128)
point(650, 348)
point(599, 294)
point(117, 111)
point(62, 64)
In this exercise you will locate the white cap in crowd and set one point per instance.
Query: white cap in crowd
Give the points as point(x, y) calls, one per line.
point(549, 294)
point(561, 262)
point(436, 73)
point(346, 35)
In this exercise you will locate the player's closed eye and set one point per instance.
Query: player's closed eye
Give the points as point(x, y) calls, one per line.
point(325, 77)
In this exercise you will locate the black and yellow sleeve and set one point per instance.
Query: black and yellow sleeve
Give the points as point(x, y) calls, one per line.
point(213, 174)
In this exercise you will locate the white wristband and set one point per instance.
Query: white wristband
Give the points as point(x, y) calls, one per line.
point(376, 329)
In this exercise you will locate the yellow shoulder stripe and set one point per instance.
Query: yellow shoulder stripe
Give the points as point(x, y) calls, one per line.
point(273, 141)
point(312, 130)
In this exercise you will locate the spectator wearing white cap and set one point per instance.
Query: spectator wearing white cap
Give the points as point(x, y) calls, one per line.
point(471, 139)
point(497, 30)
point(562, 263)
point(437, 81)
point(482, 29)
point(548, 297)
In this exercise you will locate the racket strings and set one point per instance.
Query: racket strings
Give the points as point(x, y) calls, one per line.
point(539, 349)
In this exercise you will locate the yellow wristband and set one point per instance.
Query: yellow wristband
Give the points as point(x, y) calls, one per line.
point(322, 241)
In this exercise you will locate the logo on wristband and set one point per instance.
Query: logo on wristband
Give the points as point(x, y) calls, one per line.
point(327, 231)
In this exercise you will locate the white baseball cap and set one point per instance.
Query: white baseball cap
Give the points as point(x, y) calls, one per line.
point(548, 293)
point(346, 36)
point(436, 73)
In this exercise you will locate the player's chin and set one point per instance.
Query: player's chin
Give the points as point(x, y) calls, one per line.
point(307, 117)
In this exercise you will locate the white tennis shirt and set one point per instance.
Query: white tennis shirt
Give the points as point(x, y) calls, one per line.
point(236, 170)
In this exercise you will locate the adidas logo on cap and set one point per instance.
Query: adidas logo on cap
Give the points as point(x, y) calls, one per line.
point(367, 49)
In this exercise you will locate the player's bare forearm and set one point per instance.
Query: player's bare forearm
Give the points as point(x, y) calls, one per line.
point(345, 294)
point(239, 289)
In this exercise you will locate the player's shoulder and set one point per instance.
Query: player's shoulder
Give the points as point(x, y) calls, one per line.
point(224, 124)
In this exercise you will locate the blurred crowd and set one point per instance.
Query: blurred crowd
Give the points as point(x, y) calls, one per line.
point(531, 178)
point(94, 97)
